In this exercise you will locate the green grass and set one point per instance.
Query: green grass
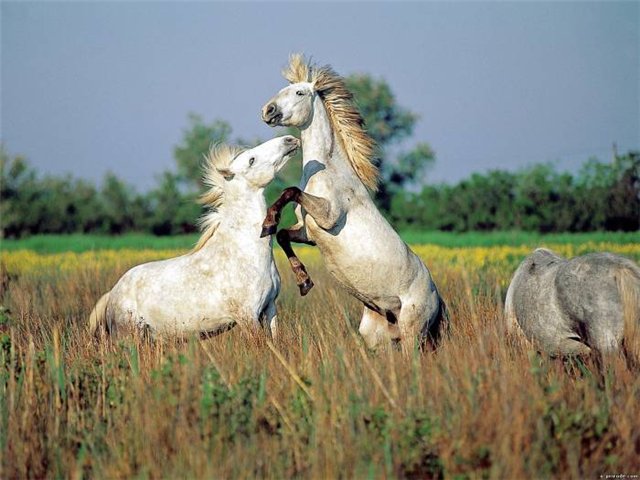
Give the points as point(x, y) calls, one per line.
point(533, 239)
point(81, 243)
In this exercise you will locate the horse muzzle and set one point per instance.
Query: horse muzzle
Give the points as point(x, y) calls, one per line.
point(292, 143)
point(271, 115)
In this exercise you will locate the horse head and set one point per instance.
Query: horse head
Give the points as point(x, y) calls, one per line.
point(255, 167)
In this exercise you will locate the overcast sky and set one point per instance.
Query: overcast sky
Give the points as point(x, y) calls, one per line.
point(89, 87)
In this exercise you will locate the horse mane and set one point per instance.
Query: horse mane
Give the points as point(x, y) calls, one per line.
point(343, 115)
point(217, 160)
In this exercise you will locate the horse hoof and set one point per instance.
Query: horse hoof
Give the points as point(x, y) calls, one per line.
point(268, 230)
point(305, 287)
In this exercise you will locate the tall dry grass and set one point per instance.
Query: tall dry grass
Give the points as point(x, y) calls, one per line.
point(313, 403)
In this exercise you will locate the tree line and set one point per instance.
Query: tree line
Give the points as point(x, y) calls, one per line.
point(601, 196)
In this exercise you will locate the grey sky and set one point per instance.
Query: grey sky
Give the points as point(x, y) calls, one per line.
point(91, 87)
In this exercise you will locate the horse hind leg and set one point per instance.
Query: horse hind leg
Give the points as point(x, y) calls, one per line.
point(603, 327)
point(437, 324)
point(412, 325)
point(423, 321)
point(572, 346)
point(375, 328)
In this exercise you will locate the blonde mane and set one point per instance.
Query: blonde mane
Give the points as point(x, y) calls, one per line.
point(345, 118)
point(219, 158)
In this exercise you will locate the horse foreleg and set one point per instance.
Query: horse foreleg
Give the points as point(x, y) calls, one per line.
point(284, 238)
point(320, 209)
point(270, 223)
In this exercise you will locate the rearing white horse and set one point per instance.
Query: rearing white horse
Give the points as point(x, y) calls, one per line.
point(336, 213)
point(230, 276)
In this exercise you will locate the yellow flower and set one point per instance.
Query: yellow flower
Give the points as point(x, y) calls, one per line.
point(502, 260)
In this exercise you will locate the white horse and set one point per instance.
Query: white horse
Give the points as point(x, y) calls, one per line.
point(230, 276)
point(571, 307)
point(336, 213)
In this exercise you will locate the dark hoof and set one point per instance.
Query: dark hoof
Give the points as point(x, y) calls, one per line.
point(268, 230)
point(305, 287)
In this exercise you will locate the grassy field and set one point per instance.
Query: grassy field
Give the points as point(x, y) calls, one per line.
point(313, 403)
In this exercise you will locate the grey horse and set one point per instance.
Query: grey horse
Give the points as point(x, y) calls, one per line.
point(571, 307)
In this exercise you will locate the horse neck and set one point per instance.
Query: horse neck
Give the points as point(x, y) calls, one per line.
point(241, 218)
point(321, 144)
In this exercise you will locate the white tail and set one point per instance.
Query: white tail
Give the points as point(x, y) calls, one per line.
point(629, 286)
point(98, 314)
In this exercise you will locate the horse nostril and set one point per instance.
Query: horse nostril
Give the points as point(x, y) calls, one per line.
point(290, 140)
point(271, 109)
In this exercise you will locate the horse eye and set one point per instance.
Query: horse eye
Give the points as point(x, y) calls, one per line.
point(300, 93)
point(252, 161)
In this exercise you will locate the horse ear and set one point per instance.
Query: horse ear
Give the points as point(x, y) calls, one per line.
point(226, 173)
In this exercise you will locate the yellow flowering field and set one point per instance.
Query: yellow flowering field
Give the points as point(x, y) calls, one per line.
point(503, 259)
point(28, 261)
